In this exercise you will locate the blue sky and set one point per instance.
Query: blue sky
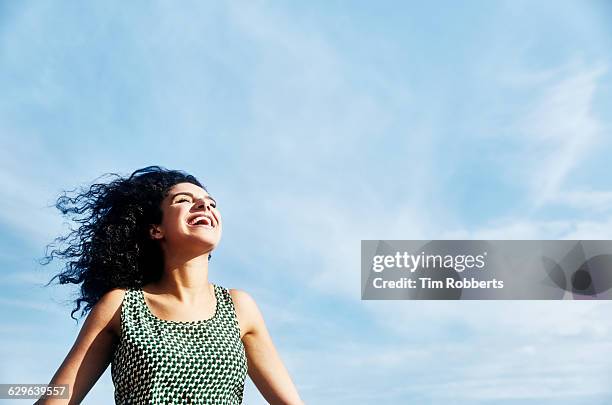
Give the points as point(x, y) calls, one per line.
point(316, 125)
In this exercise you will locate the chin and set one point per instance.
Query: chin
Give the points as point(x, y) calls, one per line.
point(198, 244)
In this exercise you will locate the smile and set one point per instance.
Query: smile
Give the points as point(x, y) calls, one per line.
point(201, 220)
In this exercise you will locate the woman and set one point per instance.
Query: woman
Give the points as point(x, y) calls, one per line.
point(141, 256)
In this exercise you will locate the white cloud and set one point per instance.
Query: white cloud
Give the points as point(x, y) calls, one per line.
point(25, 278)
point(586, 200)
point(27, 305)
point(560, 130)
point(308, 136)
point(484, 368)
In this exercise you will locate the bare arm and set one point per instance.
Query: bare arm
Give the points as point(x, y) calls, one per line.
point(91, 352)
point(266, 368)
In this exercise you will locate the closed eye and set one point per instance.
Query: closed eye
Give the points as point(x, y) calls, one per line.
point(212, 204)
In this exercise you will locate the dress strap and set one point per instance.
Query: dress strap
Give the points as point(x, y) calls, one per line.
point(228, 310)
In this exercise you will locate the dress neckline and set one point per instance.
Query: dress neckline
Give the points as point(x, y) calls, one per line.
point(171, 322)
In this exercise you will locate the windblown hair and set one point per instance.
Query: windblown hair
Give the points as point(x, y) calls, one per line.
point(112, 247)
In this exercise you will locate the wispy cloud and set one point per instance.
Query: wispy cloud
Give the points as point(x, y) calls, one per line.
point(585, 200)
point(24, 278)
point(560, 129)
point(23, 304)
point(319, 139)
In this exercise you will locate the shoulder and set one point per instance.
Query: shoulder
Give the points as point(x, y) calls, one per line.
point(107, 311)
point(111, 299)
point(247, 311)
point(242, 300)
point(241, 296)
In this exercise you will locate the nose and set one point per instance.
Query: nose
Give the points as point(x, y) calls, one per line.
point(202, 204)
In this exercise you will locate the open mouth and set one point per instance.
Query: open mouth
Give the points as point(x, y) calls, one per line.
point(201, 220)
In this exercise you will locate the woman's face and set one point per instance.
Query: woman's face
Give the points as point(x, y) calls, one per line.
point(191, 220)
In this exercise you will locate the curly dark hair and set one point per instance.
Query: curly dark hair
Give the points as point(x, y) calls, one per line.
point(112, 248)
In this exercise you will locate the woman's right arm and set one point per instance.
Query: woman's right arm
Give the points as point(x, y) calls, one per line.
point(92, 351)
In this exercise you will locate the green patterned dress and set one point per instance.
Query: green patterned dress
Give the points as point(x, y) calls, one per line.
point(158, 361)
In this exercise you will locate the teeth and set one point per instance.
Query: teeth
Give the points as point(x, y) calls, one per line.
point(207, 220)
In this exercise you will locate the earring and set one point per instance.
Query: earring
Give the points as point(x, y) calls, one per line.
point(156, 233)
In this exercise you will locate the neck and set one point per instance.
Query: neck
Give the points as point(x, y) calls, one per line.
point(185, 279)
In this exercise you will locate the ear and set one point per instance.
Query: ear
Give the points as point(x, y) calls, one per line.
point(156, 232)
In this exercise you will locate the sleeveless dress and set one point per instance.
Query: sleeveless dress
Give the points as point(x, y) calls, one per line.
point(159, 361)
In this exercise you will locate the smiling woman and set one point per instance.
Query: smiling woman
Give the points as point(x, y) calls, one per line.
point(141, 257)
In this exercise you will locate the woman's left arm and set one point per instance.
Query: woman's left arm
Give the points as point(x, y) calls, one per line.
point(266, 368)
